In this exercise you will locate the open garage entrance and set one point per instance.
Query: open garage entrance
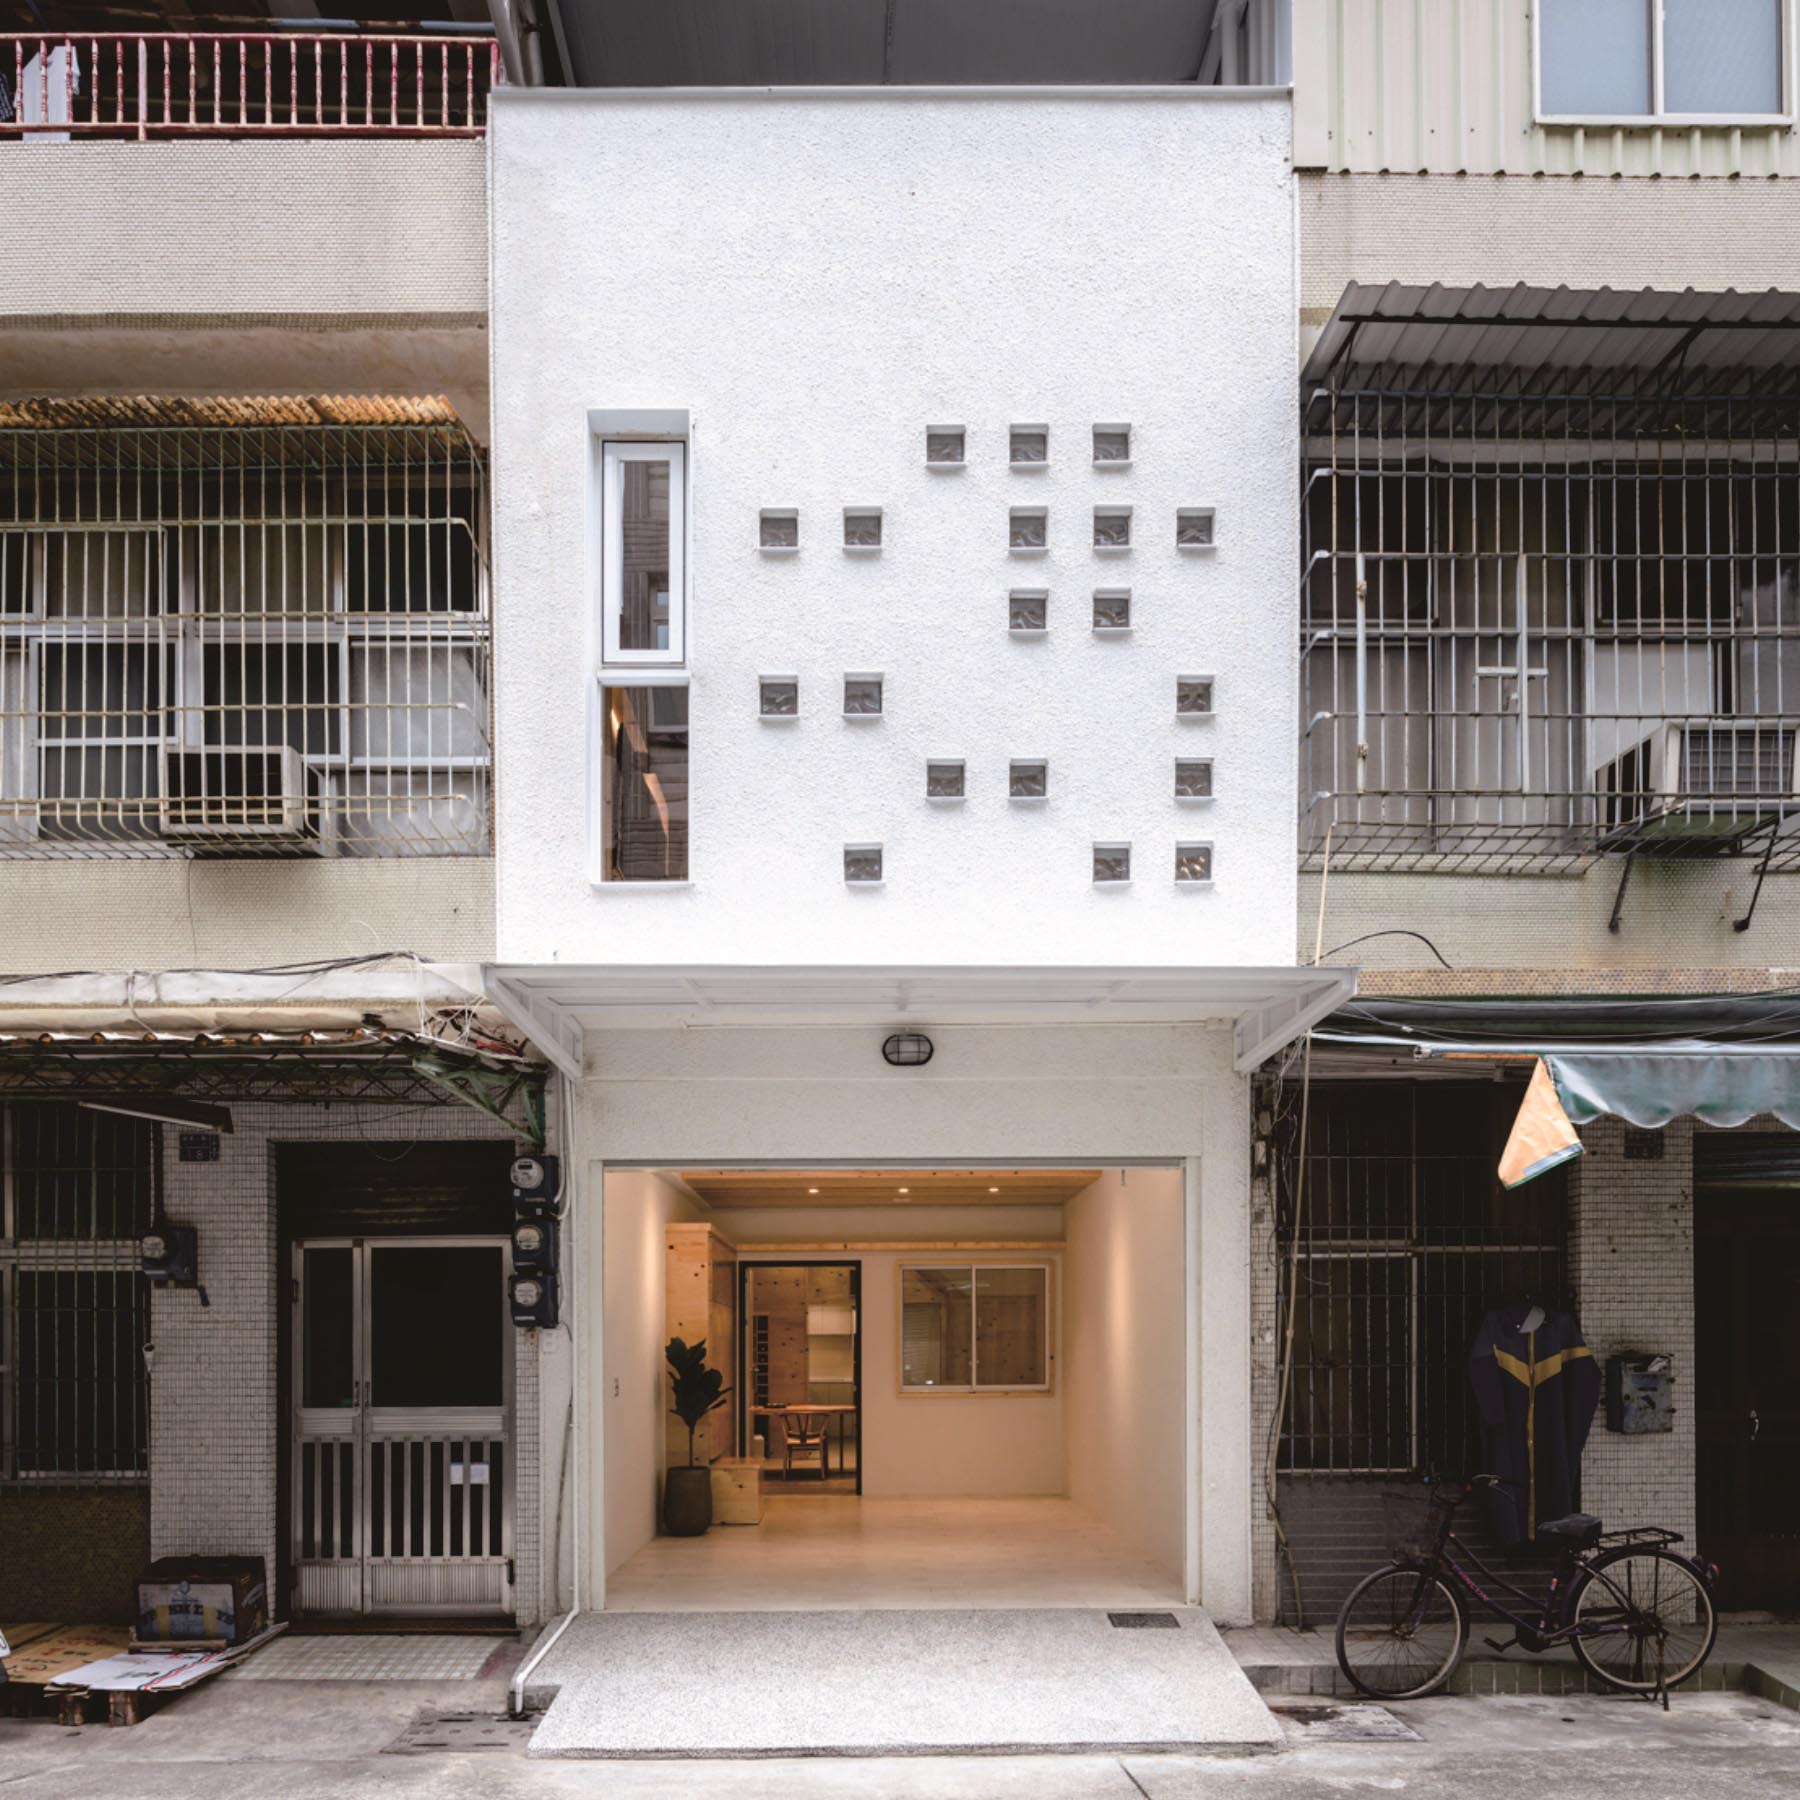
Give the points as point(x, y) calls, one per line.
point(949, 1387)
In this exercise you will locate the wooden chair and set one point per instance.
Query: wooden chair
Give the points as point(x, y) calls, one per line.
point(804, 1433)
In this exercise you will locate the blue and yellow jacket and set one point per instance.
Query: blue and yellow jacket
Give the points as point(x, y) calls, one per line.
point(1536, 1391)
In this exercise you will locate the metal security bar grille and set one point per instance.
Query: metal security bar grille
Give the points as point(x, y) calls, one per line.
point(79, 1190)
point(250, 627)
point(165, 84)
point(1548, 615)
point(1406, 1240)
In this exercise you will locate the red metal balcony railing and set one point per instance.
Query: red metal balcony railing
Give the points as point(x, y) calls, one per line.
point(244, 84)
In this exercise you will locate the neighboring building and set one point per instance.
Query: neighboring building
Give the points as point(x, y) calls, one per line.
point(892, 559)
point(246, 776)
point(1550, 673)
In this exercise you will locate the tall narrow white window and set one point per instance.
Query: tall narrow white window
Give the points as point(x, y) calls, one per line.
point(643, 528)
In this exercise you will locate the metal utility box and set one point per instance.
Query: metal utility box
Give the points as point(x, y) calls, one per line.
point(181, 1599)
point(1640, 1392)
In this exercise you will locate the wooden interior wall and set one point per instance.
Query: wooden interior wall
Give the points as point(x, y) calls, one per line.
point(700, 1306)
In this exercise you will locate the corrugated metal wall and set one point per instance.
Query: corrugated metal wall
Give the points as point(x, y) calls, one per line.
point(1445, 87)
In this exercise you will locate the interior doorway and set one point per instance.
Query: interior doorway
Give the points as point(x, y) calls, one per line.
point(401, 1466)
point(1746, 1376)
point(801, 1399)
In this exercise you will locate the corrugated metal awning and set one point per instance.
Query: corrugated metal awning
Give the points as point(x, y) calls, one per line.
point(1524, 340)
point(149, 411)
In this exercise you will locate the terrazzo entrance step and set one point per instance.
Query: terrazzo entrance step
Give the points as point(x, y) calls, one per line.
point(893, 1682)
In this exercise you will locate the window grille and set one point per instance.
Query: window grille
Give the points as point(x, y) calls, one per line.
point(79, 1191)
point(242, 628)
point(1407, 1239)
point(1539, 626)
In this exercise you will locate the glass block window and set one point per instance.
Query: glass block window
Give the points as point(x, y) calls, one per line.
point(862, 696)
point(1030, 528)
point(1028, 610)
point(779, 697)
point(1029, 779)
point(1194, 528)
point(1112, 444)
point(862, 527)
point(1112, 863)
point(779, 530)
point(862, 864)
point(944, 781)
point(1194, 778)
point(1193, 696)
point(1028, 446)
point(1112, 609)
point(1193, 862)
point(944, 445)
point(1112, 527)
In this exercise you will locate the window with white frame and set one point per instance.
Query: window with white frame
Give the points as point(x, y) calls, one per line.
point(77, 1191)
point(643, 811)
point(1681, 60)
point(643, 529)
point(974, 1327)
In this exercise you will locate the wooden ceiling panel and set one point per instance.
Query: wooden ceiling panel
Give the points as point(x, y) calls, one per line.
point(886, 1187)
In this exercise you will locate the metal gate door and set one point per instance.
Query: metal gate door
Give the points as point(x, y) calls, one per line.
point(402, 1479)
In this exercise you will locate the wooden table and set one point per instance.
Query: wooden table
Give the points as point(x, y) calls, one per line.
point(827, 1411)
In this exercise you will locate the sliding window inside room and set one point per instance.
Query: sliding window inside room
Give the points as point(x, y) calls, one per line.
point(644, 784)
point(974, 1328)
point(643, 514)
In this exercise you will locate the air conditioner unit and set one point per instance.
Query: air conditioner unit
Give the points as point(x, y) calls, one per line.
point(1702, 783)
point(231, 794)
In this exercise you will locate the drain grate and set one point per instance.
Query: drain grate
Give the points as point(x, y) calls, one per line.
point(1145, 1621)
point(457, 1733)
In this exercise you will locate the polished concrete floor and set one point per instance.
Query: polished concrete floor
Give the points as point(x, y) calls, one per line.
point(821, 1552)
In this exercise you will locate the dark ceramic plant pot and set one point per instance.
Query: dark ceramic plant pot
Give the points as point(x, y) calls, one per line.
point(687, 1502)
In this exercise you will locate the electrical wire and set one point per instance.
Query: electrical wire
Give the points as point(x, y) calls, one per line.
point(1393, 931)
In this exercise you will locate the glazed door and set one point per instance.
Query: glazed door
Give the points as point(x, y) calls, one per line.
point(402, 1464)
point(1747, 1393)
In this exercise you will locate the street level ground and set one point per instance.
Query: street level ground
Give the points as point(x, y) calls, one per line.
point(300, 1740)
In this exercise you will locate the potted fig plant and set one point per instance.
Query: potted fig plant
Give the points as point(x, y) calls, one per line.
point(696, 1391)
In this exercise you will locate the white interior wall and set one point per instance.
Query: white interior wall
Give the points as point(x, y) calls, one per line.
point(1124, 1330)
point(638, 1204)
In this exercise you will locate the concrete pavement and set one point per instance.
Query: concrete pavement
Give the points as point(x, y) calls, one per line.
point(324, 1741)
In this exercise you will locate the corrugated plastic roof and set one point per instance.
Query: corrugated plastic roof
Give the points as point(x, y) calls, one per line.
point(151, 411)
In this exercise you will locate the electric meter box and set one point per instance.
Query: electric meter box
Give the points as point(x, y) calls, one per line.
point(1640, 1392)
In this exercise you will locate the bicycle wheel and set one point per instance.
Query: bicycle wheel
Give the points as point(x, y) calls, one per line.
point(1401, 1633)
point(1647, 1617)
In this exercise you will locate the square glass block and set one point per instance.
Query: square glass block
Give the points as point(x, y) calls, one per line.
point(1027, 611)
point(1112, 443)
point(944, 444)
point(944, 781)
point(862, 528)
point(1030, 528)
point(779, 697)
point(1194, 778)
point(1194, 528)
point(780, 531)
point(1112, 862)
point(1193, 862)
point(1193, 696)
point(1028, 780)
point(1028, 446)
point(1112, 609)
point(862, 863)
point(1112, 530)
point(862, 696)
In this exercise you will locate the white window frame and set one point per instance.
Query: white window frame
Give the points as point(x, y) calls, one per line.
point(1658, 114)
point(598, 879)
point(615, 453)
point(974, 1387)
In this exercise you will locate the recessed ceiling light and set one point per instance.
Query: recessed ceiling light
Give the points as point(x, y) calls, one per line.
point(994, 1190)
point(906, 1190)
point(812, 1190)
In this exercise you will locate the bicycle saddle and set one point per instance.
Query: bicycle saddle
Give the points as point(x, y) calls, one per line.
point(1577, 1531)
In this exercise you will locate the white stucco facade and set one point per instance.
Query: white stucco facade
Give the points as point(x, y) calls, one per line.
point(813, 278)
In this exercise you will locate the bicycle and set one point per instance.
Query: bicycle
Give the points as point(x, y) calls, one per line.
point(1638, 1616)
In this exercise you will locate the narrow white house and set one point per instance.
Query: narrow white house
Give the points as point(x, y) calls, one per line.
point(893, 536)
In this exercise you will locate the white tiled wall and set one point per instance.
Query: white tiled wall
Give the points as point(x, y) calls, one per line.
point(215, 1412)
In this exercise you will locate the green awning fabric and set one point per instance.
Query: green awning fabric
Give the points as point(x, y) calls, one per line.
point(1649, 1088)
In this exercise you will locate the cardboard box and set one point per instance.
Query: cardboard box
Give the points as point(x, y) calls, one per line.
point(186, 1597)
